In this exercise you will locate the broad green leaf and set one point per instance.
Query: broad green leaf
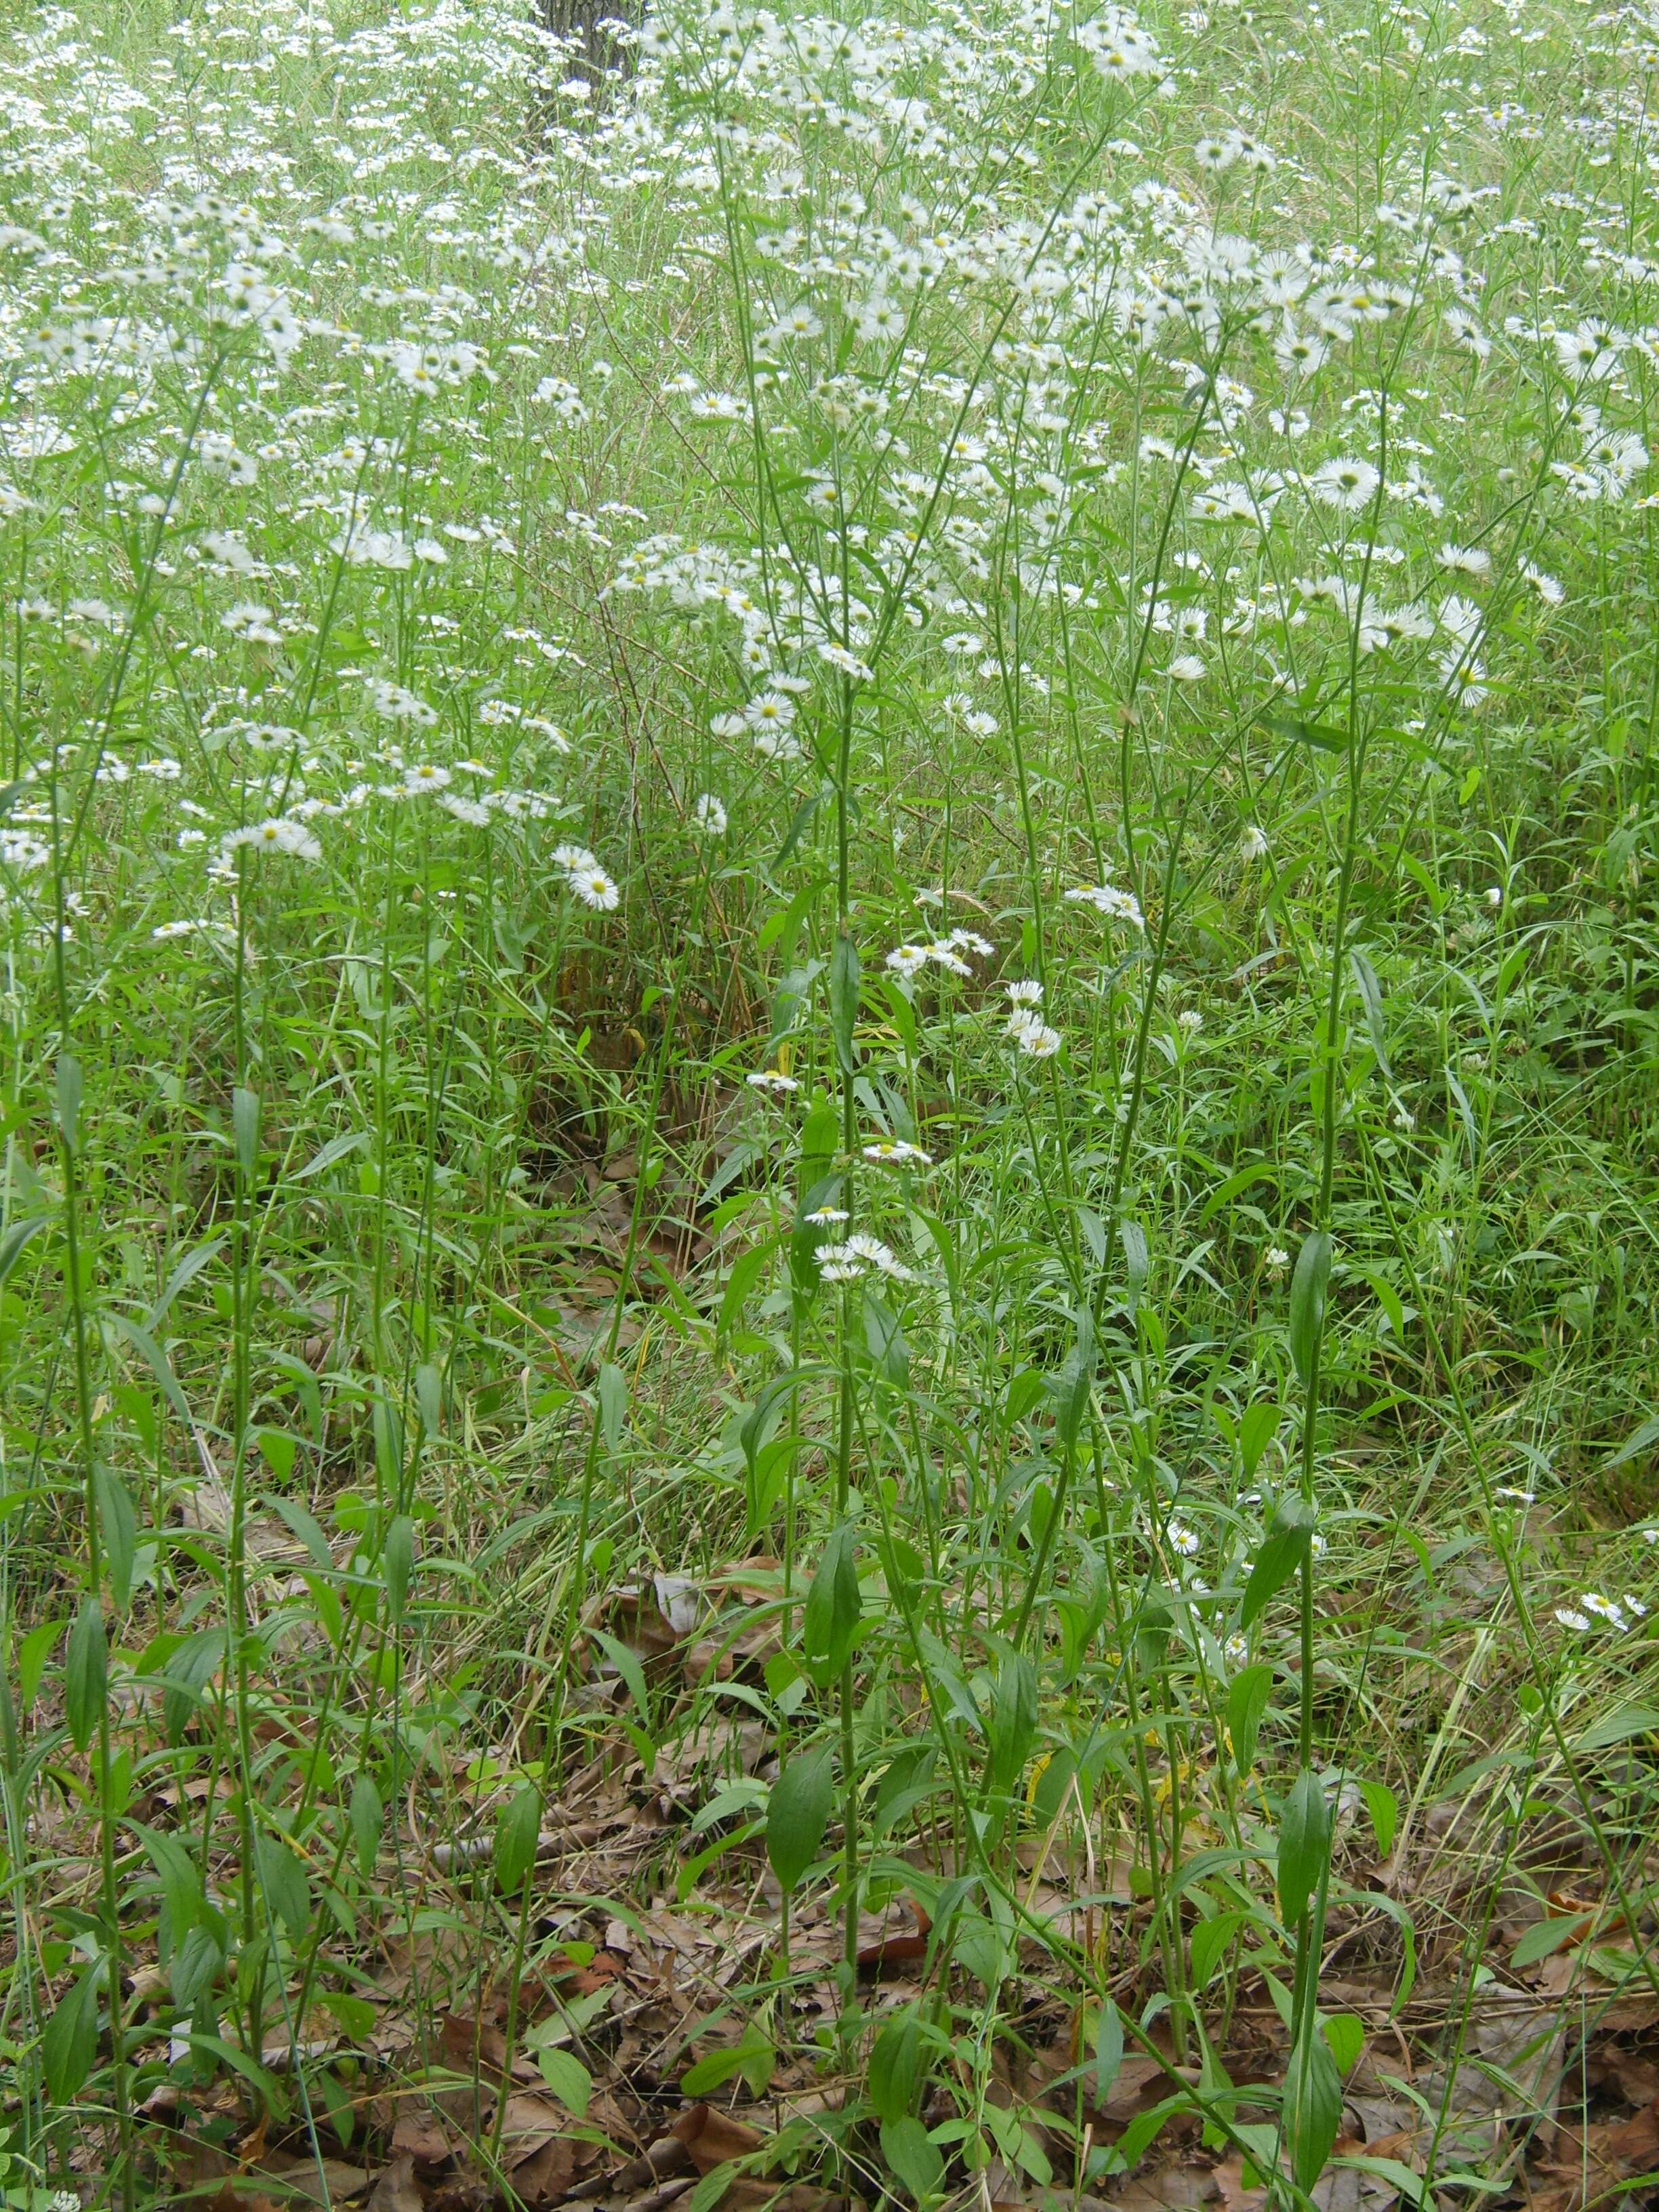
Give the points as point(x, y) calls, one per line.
point(830, 1616)
point(1620, 1726)
point(517, 1833)
point(1283, 1550)
point(1344, 2032)
point(12, 1245)
point(1636, 1443)
point(914, 2159)
point(798, 1814)
point(1109, 2050)
point(69, 2042)
point(1209, 1944)
point(1247, 1701)
point(68, 1091)
point(1313, 1268)
point(844, 1000)
point(1370, 993)
point(895, 2064)
point(613, 1406)
point(85, 1663)
point(1013, 1723)
point(336, 1149)
point(1073, 1387)
point(119, 1527)
point(184, 1273)
point(1545, 1936)
point(1383, 1807)
point(397, 1565)
point(283, 1878)
point(1304, 1844)
point(245, 1120)
point(1313, 2107)
point(566, 2077)
point(885, 1340)
point(368, 1817)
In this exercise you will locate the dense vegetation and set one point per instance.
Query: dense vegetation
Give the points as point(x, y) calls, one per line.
point(828, 1240)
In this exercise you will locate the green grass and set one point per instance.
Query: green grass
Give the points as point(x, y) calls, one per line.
point(531, 622)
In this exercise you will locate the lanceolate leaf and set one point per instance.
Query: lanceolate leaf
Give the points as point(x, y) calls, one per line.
point(844, 1000)
point(1313, 1268)
point(798, 1814)
point(1283, 1550)
point(829, 1619)
point(85, 1667)
point(1304, 1844)
point(1313, 2106)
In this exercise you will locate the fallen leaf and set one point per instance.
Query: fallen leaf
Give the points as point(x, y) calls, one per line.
point(714, 2138)
point(396, 2189)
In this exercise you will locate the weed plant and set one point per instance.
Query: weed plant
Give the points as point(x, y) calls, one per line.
point(881, 804)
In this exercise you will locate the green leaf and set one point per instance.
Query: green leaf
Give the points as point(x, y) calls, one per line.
point(1247, 1701)
point(1619, 1726)
point(516, 1835)
point(1320, 735)
point(282, 1879)
point(1109, 2050)
point(1344, 2032)
point(32, 1655)
point(613, 1406)
point(85, 1663)
point(156, 1360)
point(119, 1527)
point(1313, 2106)
point(914, 2159)
point(1545, 1936)
point(1075, 1383)
point(397, 1565)
point(896, 2063)
point(1383, 1807)
point(1304, 1844)
point(566, 2077)
point(1208, 1944)
point(1637, 1442)
point(69, 2042)
point(245, 1120)
point(1283, 1550)
point(716, 2067)
point(1137, 1259)
point(182, 1891)
point(68, 1088)
point(368, 1817)
point(627, 1664)
point(797, 1814)
point(184, 1273)
point(334, 1149)
point(1256, 1430)
point(844, 1000)
point(1370, 992)
point(830, 1616)
point(15, 1238)
point(1013, 1723)
point(885, 1340)
point(1313, 1268)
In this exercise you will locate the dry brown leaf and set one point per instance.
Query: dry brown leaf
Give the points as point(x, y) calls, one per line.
point(714, 2138)
point(397, 2190)
point(420, 2134)
point(1590, 2163)
point(1179, 2188)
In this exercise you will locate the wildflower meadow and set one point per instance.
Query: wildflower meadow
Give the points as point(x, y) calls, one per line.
point(829, 1219)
